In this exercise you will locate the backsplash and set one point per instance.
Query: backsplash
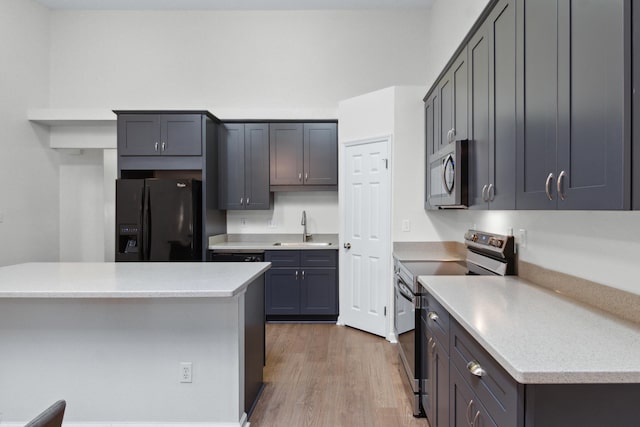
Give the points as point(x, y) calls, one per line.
point(286, 213)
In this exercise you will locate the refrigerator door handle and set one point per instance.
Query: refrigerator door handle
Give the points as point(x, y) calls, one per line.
point(146, 225)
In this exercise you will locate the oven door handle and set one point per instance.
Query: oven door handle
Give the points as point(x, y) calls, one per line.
point(404, 290)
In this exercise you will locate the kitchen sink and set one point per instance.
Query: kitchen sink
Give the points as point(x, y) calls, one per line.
point(302, 244)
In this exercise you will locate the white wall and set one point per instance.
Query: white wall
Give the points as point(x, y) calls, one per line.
point(237, 64)
point(599, 246)
point(28, 169)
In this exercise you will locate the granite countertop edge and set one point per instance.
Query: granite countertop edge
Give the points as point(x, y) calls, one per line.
point(522, 368)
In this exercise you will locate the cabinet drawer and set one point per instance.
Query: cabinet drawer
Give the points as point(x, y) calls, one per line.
point(318, 258)
point(283, 258)
point(497, 390)
point(466, 408)
point(438, 321)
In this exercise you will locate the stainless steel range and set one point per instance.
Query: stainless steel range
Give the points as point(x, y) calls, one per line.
point(487, 254)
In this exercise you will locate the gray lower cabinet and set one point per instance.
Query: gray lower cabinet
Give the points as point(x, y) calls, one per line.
point(302, 285)
point(244, 166)
point(303, 156)
point(478, 391)
point(492, 77)
point(574, 136)
point(437, 354)
point(150, 134)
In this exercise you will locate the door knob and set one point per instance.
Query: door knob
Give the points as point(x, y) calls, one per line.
point(347, 245)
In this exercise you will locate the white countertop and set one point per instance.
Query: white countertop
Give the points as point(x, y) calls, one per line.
point(262, 242)
point(128, 280)
point(538, 336)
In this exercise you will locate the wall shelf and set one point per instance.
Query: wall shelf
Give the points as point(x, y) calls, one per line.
point(71, 116)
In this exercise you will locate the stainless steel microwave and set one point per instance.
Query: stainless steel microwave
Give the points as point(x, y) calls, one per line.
point(447, 177)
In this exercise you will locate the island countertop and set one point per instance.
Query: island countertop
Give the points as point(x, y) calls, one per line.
point(540, 337)
point(128, 280)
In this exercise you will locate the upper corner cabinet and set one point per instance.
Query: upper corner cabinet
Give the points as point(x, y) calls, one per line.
point(151, 134)
point(574, 139)
point(303, 156)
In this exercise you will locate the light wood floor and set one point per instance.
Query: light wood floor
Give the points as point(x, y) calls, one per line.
point(333, 376)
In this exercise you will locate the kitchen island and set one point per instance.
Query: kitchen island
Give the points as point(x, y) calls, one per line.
point(114, 339)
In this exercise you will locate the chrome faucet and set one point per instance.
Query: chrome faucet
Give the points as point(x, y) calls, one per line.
point(305, 236)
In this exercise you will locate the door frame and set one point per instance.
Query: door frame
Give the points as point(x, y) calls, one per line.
point(389, 333)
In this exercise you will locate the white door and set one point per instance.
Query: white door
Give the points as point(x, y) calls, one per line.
point(365, 279)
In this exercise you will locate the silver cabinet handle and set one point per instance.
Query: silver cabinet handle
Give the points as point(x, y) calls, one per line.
point(302, 274)
point(452, 135)
point(473, 423)
point(432, 315)
point(547, 186)
point(156, 146)
point(430, 341)
point(484, 193)
point(306, 176)
point(475, 369)
point(347, 245)
point(490, 193)
point(469, 405)
point(299, 176)
point(433, 347)
point(164, 145)
point(241, 200)
point(247, 201)
point(296, 274)
point(559, 185)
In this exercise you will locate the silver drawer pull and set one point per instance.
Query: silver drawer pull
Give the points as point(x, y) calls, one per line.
point(475, 369)
point(469, 411)
point(547, 186)
point(432, 315)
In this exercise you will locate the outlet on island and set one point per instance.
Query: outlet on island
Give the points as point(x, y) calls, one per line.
point(186, 372)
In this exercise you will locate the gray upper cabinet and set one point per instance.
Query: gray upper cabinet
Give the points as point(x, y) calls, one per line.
point(303, 156)
point(492, 80)
point(244, 166)
point(160, 134)
point(446, 108)
point(573, 144)
point(320, 154)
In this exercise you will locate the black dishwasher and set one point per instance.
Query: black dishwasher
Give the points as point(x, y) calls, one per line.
point(236, 256)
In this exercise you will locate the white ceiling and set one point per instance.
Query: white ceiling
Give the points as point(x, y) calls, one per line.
point(235, 4)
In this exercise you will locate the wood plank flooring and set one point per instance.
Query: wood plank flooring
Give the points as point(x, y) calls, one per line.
point(332, 376)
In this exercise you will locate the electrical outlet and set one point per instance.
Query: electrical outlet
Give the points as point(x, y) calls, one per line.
point(406, 225)
point(186, 372)
point(272, 223)
point(243, 222)
point(523, 237)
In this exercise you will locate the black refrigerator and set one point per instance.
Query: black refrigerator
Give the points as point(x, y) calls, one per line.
point(158, 220)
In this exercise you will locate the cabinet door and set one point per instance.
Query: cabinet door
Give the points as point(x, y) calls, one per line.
point(318, 291)
point(438, 384)
point(592, 145)
point(479, 126)
point(537, 69)
point(256, 162)
point(445, 106)
point(501, 191)
point(282, 291)
point(320, 154)
point(430, 130)
point(138, 134)
point(232, 170)
point(286, 153)
point(492, 150)
point(460, 85)
point(181, 134)
point(466, 409)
